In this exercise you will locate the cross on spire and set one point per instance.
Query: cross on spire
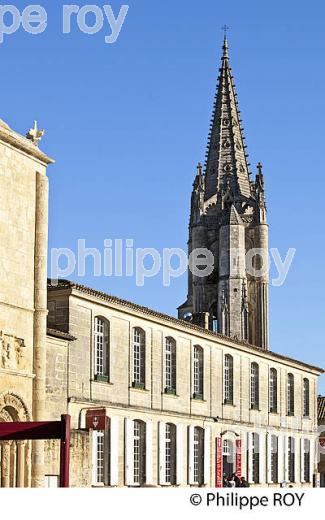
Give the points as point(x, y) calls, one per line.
point(225, 29)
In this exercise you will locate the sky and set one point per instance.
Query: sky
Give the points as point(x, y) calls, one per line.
point(127, 123)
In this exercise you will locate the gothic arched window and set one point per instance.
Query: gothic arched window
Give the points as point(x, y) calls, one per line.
point(254, 386)
point(229, 379)
point(170, 360)
point(198, 372)
point(306, 398)
point(139, 358)
point(291, 394)
point(273, 391)
point(101, 349)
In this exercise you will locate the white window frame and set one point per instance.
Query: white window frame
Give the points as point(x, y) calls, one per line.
point(229, 379)
point(98, 466)
point(101, 346)
point(138, 353)
point(306, 397)
point(170, 364)
point(254, 386)
point(290, 394)
point(273, 390)
point(198, 371)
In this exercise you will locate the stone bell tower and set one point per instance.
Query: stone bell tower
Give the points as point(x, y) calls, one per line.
point(228, 217)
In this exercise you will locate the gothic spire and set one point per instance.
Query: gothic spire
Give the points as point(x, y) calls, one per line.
point(226, 159)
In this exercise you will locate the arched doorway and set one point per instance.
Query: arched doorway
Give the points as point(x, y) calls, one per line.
point(15, 456)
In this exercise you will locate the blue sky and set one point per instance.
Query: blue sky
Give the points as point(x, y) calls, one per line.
point(127, 124)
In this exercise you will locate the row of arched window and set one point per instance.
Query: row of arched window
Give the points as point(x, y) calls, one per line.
point(102, 369)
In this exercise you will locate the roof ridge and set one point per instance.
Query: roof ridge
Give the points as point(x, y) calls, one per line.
point(67, 284)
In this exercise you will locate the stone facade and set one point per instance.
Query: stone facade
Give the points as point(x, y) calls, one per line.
point(23, 309)
point(153, 405)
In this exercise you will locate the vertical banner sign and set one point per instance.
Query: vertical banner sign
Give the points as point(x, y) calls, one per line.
point(218, 462)
point(238, 458)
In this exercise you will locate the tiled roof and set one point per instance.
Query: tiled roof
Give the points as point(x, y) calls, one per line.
point(68, 285)
point(321, 408)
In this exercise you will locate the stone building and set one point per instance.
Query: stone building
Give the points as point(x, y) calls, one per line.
point(154, 400)
point(177, 398)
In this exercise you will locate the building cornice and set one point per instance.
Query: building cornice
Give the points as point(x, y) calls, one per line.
point(59, 334)
point(19, 142)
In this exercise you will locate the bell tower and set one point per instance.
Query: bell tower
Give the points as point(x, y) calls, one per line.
point(228, 217)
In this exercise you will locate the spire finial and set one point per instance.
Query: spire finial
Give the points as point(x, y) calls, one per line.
point(225, 29)
point(260, 168)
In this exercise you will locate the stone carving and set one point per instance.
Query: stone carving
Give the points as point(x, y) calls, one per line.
point(12, 355)
point(14, 406)
point(34, 134)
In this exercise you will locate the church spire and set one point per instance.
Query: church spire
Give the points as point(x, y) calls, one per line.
point(226, 159)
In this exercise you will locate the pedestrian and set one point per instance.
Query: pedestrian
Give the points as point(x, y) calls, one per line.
point(244, 482)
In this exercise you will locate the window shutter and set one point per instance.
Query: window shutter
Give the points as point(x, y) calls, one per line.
point(191, 455)
point(281, 442)
point(114, 424)
point(312, 459)
point(207, 455)
point(179, 454)
point(250, 457)
point(262, 458)
point(162, 453)
point(149, 452)
point(302, 460)
point(106, 468)
point(286, 458)
point(129, 462)
point(269, 456)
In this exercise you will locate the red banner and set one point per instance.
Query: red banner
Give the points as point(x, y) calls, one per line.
point(218, 462)
point(238, 458)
